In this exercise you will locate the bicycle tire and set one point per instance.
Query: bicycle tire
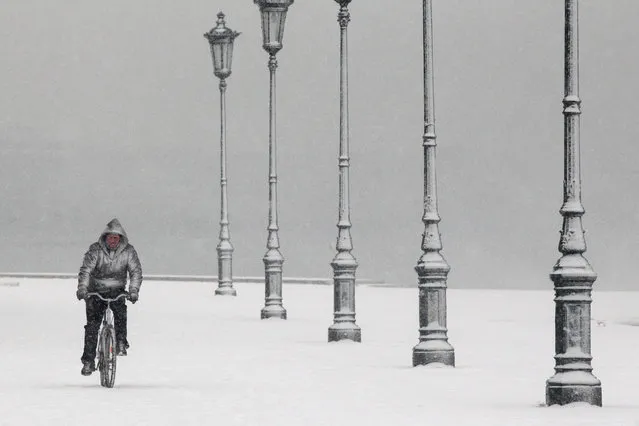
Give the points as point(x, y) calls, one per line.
point(101, 357)
point(109, 364)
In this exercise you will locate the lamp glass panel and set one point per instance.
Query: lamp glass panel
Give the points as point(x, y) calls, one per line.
point(280, 25)
point(228, 55)
point(216, 50)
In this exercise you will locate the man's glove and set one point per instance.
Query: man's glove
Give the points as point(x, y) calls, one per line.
point(133, 296)
point(81, 293)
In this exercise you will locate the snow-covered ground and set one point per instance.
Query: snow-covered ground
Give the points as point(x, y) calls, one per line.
point(200, 359)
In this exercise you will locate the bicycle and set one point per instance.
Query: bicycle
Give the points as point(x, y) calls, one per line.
point(106, 351)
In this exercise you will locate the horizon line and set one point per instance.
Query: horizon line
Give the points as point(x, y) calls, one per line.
point(260, 280)
point(205, 278)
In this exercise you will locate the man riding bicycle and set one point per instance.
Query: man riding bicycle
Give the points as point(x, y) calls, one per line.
point(104, 270)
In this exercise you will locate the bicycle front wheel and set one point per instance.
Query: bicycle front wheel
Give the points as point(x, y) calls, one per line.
point(108, 359)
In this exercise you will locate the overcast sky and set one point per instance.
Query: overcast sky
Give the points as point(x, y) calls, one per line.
point(111, 109)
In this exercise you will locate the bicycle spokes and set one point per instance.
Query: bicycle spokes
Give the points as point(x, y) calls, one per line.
point(108, 357)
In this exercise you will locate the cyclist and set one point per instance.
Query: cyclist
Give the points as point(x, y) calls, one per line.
point(104, 270)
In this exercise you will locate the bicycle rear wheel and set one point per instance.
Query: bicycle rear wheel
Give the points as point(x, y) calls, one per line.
point(108, 358)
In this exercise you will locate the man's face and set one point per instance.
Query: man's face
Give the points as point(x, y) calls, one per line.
point(112, 240)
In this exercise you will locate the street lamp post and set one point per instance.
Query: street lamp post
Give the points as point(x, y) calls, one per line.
point(273, 19)
point(344, 263)
point(432, 269)
point(221, 42)
point(572, 275)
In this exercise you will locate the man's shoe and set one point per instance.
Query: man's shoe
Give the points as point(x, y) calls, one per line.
point(88, 367)
point(121, 348)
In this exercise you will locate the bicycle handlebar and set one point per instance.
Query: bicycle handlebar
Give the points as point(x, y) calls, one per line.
point(125, 294)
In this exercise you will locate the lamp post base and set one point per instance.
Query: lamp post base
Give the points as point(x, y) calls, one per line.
point(273, 307)
point(225, 291)
point(274, 311)
point(344, 331)
point(568, 393)
point(435, 351)
point(225, 265)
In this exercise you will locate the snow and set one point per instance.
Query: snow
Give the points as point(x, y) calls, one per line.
point(575, 377)
point(200, 359)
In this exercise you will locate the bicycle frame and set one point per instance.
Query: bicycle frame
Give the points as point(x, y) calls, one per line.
point(107, 318)
point(106, 337)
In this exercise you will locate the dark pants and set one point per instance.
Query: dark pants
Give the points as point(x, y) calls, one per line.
point(95, 309)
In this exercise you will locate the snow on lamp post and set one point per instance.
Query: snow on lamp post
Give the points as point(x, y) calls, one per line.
point(221, 40)
point(344, 263)
point(432, 269)
point(572, 275)
point(273, 14)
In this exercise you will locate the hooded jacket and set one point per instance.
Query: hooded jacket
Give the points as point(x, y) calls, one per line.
point(105, 270)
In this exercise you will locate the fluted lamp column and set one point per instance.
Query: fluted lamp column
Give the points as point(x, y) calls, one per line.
point(344, 263)
point(572, 275)
point(221, 40)
point(432, 269)
point(273, 14)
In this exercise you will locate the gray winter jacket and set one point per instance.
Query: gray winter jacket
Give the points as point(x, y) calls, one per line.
point(105, 270)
